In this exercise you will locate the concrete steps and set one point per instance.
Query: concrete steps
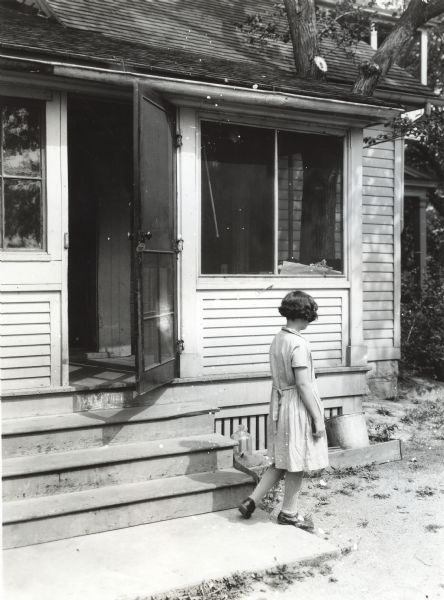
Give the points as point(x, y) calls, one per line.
point(75, 473)
point(61, 472)
point(47, 518)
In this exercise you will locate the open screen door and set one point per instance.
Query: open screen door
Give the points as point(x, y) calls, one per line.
point(154, 241)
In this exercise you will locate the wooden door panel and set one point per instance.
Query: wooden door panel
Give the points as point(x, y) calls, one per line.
point(154, 241)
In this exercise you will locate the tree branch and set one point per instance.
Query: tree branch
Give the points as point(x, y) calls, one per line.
point(416, 14)
point(301, 15)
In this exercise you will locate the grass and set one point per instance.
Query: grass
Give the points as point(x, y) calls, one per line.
point(425, 492)
point(349, 488)
point(381, 410)
point(364, 471)
point(427, 412)
point(432, 528)
point(235, 586)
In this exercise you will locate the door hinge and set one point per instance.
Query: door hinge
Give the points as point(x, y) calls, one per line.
point(180, 346)
point(66, 241)
point(178, 140)
point(178, 245)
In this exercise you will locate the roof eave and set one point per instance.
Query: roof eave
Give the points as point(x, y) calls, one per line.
point(408, 100)
point(206, 94)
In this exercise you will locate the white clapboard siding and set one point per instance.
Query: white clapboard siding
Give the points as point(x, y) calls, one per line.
point(378, 241)
point(238, 327)
point(29, 322)
point(369, 209)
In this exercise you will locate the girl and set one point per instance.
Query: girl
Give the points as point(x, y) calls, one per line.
point(296, 430)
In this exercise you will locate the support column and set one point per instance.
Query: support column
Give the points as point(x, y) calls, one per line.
point(356, 350)
point(373, 36)
point(421, 240)
point(424, 55)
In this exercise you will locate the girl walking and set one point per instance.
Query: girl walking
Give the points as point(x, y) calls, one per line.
point(296, 430)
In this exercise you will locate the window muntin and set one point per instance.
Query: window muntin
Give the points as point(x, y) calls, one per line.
point(21, 175)
point(246, 172)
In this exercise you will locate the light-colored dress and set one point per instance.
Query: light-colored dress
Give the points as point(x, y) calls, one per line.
point(291, 445)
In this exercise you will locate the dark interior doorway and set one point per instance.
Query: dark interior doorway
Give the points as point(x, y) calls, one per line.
point(100, 194)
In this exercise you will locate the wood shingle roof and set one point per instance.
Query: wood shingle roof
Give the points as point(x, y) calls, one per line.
point(197, 39)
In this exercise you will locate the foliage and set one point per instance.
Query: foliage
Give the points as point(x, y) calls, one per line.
point(422, 323)
point(435, 71)
point(429, 413)
point(347, 23)
point(383, 432)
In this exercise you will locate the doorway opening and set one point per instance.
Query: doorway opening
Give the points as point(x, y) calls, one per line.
point(100, 307)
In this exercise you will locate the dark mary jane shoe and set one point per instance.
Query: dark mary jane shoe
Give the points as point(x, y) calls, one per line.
point(247, 508)
point(305, 523)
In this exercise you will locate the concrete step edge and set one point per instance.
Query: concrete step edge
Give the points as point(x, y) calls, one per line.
point(119, 495)
point(103, 418)
point(115, 453)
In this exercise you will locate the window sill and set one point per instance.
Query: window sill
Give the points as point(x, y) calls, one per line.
point(24, 256)
point(268, 282)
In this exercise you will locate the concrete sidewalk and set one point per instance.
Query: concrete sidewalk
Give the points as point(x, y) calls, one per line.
point(140, 561)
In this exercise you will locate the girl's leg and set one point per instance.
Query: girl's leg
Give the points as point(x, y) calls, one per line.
point(268, 480)
point(293, 482)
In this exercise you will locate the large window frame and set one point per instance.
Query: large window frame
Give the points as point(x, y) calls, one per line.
point(277, 126)
point(42, 249)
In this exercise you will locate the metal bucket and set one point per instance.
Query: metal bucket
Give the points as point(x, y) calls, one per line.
point(347, 431)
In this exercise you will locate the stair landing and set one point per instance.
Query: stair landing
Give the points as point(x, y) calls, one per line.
point(139, 562)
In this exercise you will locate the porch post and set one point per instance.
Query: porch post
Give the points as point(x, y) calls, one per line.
point(189, 228)
point(356, 350)
point(421, 240)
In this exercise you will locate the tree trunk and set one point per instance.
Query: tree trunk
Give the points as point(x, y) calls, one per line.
point(301, 15)
point(417, 13)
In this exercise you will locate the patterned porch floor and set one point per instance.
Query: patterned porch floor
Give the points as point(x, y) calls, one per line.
point(107, 373)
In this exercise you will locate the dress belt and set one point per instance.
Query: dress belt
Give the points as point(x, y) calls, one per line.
point(276, 398)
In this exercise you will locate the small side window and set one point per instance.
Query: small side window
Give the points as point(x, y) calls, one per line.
point(21, 174)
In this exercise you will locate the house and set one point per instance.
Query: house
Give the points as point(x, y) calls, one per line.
point(164, 185)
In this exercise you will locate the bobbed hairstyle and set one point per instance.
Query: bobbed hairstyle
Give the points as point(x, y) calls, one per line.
point(299, 305)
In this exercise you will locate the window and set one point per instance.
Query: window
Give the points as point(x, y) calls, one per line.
point(271, 201)
point(21, 174)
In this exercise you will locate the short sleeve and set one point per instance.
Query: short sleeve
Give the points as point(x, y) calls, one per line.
point(299, 356)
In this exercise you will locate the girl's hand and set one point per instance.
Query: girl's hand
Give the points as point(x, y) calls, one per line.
point(319, 428)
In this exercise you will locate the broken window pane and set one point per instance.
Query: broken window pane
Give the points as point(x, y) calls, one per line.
point(310, 203)
point(237, 199)
point(22, 208)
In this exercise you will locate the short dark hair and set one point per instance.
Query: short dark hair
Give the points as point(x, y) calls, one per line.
point(299, 305)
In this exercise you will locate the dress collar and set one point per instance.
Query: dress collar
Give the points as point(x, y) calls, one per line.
point(292, 331)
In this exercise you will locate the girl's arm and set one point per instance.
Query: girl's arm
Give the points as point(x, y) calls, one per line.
point(305, 389)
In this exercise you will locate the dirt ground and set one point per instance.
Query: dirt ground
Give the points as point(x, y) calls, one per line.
point(387, 519)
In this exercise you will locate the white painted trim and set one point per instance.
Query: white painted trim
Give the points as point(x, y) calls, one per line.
point(374, 36)
point(278, 282)
point(353, 208)
point(24, 256)
point(33, 287)
point(64, 199)
point(276, 204)
point(188, 213)
point(424, 54)
point(375, 354)
point(398, 209)
point(179, 221)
